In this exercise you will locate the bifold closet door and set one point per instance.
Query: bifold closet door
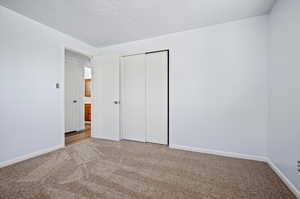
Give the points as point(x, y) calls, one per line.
point(157, 97)
point(133, 98)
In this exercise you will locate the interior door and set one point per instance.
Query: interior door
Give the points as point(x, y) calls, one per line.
point(105, 97)
point(157, 97)
point(74, 117)
point(133, 97)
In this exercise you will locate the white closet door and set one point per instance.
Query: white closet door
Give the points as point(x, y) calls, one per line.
point(157, 97)
point(74, 120)
point(133, 98)
point(105, 95)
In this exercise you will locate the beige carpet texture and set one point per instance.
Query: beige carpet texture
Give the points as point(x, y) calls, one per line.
point(99, 169)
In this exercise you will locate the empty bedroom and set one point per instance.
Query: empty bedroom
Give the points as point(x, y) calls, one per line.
point(169, 99)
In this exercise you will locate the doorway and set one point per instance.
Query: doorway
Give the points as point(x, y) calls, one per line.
point(78, 92)
point(88, 99)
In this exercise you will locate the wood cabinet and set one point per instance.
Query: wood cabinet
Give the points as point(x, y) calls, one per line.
point(87, 112)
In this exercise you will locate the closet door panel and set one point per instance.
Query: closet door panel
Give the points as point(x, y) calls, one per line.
point(133, 97)
point(157, 97)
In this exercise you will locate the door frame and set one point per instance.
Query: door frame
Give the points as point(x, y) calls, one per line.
point(168, 90)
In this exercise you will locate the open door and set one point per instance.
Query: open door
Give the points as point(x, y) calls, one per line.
point(105, 114)
point(73, 96)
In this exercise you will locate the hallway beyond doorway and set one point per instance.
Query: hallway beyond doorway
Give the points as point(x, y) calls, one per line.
point(77, 136)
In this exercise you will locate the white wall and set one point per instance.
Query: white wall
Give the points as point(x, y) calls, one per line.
point(284, 69)
point(218, 91)
point(31, 62)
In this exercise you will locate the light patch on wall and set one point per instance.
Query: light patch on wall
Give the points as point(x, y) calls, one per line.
point(87, 73)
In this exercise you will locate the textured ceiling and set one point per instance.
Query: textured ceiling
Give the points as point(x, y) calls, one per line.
point(106, 22)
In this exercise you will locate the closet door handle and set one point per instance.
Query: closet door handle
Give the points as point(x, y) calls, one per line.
point(116, 102)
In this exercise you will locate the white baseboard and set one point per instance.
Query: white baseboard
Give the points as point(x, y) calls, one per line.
point(221, 153)
point(30, 155)
point(288, 183)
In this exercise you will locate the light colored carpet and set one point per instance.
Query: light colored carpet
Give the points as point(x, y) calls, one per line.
point(99, 169)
